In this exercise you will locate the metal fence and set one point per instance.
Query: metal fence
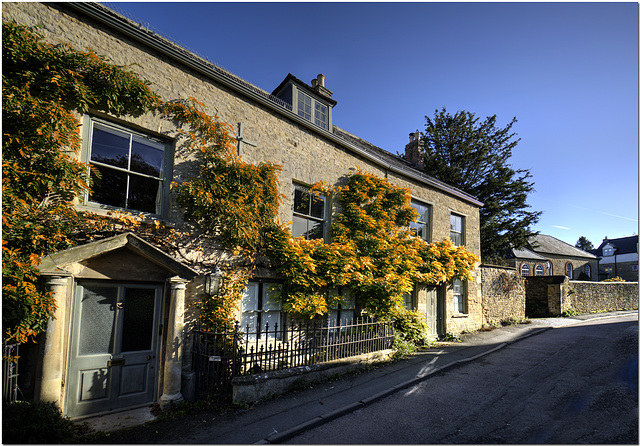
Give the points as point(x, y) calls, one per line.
point(10, 353)
point(222, 353)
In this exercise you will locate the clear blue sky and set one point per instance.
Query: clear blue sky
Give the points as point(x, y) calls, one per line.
point(567, 71)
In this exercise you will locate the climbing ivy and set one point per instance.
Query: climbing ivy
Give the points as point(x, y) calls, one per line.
point(41, 85)
point(372, 255)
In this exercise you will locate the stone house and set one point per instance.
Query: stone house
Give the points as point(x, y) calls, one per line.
point(618, 257)
point(96, 357)
point(548, 256)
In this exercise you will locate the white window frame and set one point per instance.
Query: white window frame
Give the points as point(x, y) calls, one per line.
point(454, 230)
point(162, 200)
point(421, 223)
point(459, 296)
point(260, 307)
point(539, 268)
point(324, 220)
point(607, 252)
point(525, 270)
point(568, 270)
point(312, 110)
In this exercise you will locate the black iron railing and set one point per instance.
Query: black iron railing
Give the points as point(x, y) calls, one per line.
point(10, 353)
point(222, 353)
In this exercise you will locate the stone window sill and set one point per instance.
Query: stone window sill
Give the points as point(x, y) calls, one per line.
point(462, 315)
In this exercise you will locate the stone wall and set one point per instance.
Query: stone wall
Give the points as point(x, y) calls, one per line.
point(590, 297)
point(554, 295)
point(503, 294)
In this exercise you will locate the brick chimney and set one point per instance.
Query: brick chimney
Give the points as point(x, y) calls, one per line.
point(414, 151)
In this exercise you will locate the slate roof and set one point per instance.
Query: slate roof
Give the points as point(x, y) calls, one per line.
point(525, 253)
point(623, 245)
point(545, 244)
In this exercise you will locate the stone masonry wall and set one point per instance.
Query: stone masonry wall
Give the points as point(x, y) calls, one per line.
point(503, 294)
point(306, 156)
point(590, 297)
point(557, 294)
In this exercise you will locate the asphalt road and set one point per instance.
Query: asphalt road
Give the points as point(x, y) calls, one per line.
point(570, 385)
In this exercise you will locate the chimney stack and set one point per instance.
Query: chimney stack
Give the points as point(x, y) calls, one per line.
point(414, 151)
point(318, 86)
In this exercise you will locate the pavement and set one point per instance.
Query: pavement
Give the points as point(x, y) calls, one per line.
point(281, 418)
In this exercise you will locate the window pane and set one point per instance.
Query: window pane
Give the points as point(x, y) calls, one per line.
point(144, 194)
point(456, 238)
point(250, 297)
point(299, 227)
point(97, 318)
point(110, 146)
point(271, 299)
point(146, 158)
point(301, 201)
point(317, 206)
point(110, 188)
point(456, 223)
point(138, 309)
point(316, 230)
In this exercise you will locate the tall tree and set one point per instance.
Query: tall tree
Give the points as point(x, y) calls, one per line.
point(584, 243)
point(473, 155)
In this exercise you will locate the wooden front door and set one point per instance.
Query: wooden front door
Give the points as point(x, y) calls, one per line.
point(435, 311)
point(114, 346)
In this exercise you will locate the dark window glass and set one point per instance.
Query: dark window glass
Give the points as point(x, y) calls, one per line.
point(137, 327)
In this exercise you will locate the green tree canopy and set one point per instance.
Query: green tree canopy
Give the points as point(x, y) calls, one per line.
point(473, 155)
point(584, 243)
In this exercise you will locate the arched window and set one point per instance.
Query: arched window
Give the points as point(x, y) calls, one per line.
point(550, 268)
point(539, 270)
point(525, 269)
point(569, 270)
point(587, 270)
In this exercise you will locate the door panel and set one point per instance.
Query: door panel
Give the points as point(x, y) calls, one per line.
point(435, 314)
point(112, 359)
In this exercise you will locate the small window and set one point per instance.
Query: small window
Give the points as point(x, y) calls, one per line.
point(422, 227)
point(459, 296)
point(587, 270)
point(457, 229)
point(539, 270)
point(342, 314)
point(525, 269)
point(322, 115)
point(634, 267)
point(261, 310)
point(408, 302)
point(607, 252)
point(132, 168)
point(312, 110)
point(608, 269)
point(569, 270)
point(309, 214)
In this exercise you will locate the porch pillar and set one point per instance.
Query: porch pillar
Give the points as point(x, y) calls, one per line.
point(52, 350)
point(175, 340)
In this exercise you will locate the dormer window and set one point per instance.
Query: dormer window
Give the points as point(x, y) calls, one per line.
point(313, 111)
point(608, 251)
point(312, 103)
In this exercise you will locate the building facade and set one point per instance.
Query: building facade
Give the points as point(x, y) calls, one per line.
point(548, 256)
point(618, 257)
point(99, 357)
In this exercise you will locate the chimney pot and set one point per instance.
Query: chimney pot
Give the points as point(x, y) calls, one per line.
point(320, 80)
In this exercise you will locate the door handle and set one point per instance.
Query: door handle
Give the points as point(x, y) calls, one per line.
point(115, 362)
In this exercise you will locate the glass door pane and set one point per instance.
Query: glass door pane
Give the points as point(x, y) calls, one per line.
point(137, 325)
point(98, 317)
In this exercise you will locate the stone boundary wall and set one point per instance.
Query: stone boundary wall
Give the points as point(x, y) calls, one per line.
point(554, 295)
point(253, 388)
point(503, 294)
point(589, 297)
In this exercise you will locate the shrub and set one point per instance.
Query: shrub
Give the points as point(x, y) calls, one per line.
point(411, 326)
point(615, 279)
point(38, 422)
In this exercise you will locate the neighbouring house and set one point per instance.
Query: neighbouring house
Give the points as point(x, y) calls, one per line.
point(96, 357)
point(618, 257)
point(548, 256)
